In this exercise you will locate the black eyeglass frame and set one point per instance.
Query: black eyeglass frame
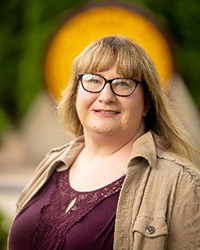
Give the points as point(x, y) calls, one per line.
point(110, 82)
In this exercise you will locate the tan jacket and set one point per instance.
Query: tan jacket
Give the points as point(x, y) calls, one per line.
point(159, 204)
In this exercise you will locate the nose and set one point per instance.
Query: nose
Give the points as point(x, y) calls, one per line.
point(106, 95)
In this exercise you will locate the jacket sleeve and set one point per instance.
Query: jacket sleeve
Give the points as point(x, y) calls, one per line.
point(184, 230)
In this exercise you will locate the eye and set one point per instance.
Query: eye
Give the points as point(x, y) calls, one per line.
point(123, 83)
point(92, 79)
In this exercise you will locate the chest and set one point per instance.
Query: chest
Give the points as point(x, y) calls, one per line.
point(87, 175)
point(48, 223)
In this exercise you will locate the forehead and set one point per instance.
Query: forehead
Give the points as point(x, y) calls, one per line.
point(102, 59)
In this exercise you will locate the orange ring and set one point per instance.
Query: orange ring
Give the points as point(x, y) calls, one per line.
point(91, 24)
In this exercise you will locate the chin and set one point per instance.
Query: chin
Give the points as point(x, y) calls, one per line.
point(104, 131)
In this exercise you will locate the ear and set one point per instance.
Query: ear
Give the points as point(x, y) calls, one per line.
point(147, 104)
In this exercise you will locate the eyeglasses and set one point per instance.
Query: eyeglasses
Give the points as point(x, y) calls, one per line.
point(95, 83)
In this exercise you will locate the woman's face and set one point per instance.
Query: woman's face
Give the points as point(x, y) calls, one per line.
point(110, 115)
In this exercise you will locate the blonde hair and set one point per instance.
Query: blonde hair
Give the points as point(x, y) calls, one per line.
point(132, 61)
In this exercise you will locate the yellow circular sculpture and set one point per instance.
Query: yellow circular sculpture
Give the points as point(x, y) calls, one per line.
point(89, 25)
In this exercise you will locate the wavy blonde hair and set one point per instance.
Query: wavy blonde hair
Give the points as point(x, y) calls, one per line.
point(133, 62)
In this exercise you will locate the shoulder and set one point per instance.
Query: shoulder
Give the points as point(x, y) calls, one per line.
point(54, 158)
point(174, 182)
point(183, 200)
point(63, 150)
point(163, 164)
point(51, 158)
point(60, 154)
point(184, 175)
point(58, 150)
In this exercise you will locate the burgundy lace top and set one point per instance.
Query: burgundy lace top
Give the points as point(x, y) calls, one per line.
point(46, 223)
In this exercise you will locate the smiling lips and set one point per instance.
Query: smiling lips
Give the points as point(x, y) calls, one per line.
point(108, 112)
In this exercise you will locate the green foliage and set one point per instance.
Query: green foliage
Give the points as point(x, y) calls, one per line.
point(182, 19)
point(3, 232)
point(25, 28)
point(27, 25)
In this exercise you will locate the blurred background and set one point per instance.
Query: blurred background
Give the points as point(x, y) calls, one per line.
point(28, 124)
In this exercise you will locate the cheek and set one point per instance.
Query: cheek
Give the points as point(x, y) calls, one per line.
point(83, 100)
point(77, 104)
point(134, 114)
point(80, 100)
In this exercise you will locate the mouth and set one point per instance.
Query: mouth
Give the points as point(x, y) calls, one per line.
point(108, 112)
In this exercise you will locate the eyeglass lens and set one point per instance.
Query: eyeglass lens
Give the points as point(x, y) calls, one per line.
point(120, 86)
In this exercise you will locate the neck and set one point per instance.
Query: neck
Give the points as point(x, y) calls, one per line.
point(106, 145)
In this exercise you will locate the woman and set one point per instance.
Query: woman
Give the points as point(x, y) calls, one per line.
point(124, 183)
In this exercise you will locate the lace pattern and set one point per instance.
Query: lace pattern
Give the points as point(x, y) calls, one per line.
point(55, 221)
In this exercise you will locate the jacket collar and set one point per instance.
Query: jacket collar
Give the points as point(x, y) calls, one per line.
point(144, 147)
point(70, 154)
